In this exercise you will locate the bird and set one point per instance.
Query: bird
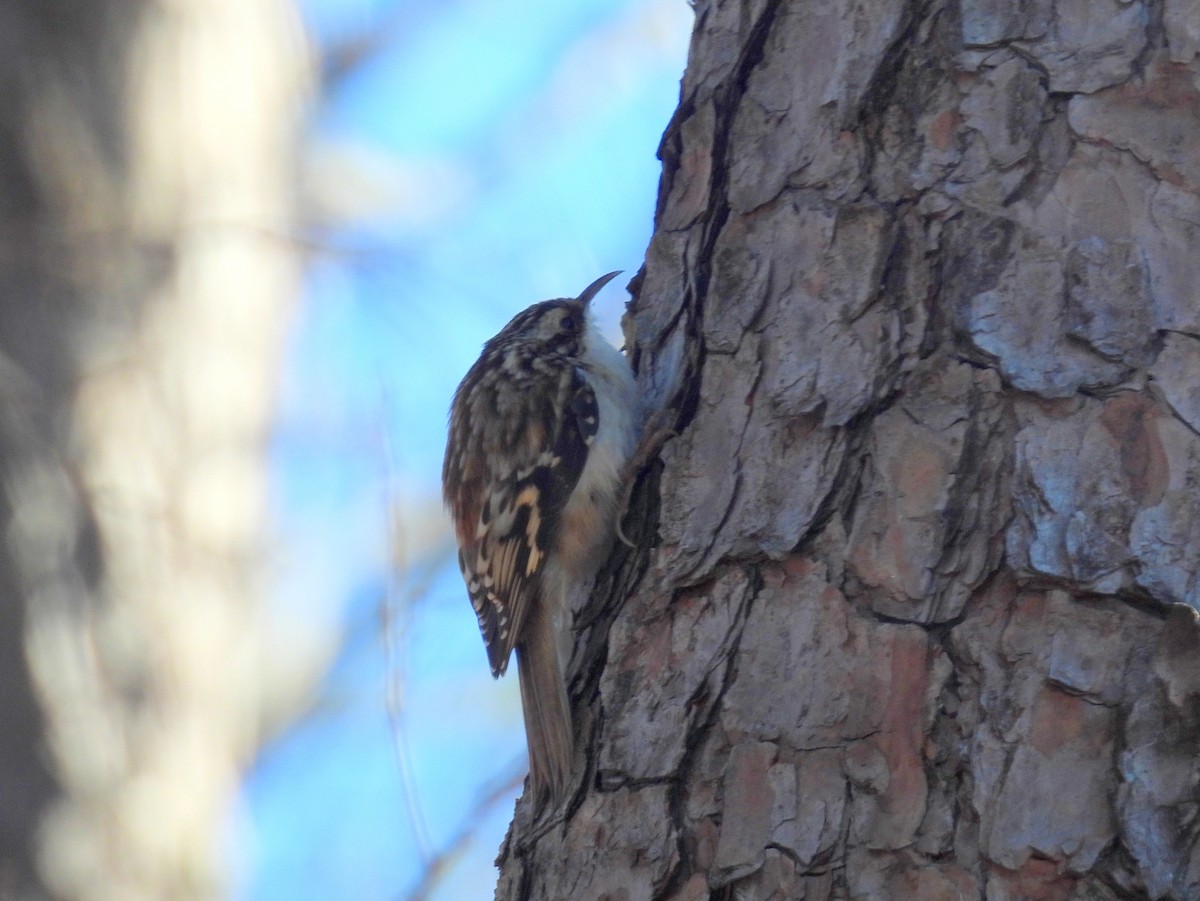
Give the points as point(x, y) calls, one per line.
point(541, 430)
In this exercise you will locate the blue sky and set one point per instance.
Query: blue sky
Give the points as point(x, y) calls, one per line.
point(482, 156)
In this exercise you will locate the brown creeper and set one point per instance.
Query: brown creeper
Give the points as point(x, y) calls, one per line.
point(541, 430)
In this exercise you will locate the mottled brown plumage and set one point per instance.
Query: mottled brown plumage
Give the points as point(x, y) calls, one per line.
point(540, 431)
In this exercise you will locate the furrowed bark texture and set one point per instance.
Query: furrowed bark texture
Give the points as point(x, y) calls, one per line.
point(145, 199)
point(912, 611)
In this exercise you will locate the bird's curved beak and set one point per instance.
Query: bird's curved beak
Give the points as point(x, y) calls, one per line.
point(594, 288)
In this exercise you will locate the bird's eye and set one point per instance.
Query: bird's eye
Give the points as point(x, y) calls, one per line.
point(568, 322)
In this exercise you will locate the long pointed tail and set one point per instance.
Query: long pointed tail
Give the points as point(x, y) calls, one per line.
point(548, 730)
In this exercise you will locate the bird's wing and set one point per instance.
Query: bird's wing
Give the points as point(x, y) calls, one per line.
point(519, 518)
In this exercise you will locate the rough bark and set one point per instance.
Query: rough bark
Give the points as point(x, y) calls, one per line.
point(145, 194)
point(911, 612)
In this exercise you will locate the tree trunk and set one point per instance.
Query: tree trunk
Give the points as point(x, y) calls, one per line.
point(145, 187)
point(911, 610)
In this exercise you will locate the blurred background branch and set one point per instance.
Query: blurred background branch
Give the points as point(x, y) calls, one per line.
point(134, 474)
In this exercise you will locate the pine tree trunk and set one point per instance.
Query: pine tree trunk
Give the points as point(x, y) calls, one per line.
point(911, 614)
point(145, 204)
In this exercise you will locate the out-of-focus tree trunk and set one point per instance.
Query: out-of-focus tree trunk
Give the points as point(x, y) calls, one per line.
point(145, 202)
point(912, 611)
